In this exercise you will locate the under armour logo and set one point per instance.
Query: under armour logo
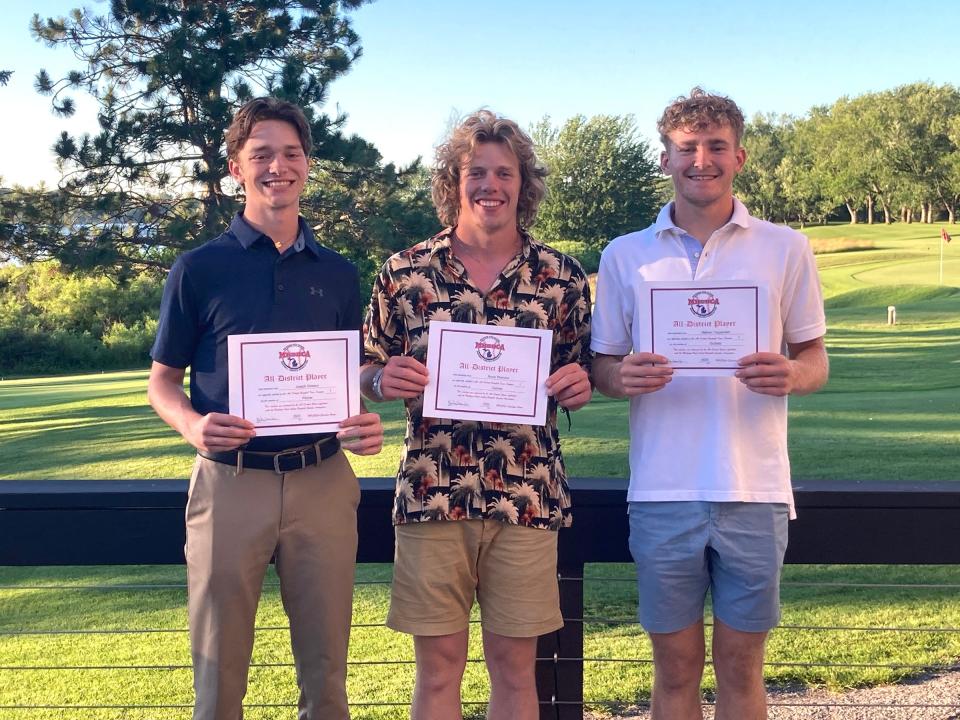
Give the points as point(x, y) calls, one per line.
point(316, 291)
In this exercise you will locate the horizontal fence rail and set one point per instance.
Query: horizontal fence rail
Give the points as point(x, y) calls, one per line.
point(118, 522)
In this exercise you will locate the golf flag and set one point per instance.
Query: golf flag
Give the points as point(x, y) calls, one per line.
point(945, 235)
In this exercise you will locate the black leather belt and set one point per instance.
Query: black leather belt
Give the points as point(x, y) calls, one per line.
point(285, 461)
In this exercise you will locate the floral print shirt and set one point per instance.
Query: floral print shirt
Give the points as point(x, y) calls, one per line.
point(459, 470)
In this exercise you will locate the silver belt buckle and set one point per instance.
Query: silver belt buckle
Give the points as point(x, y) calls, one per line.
point(276, 460)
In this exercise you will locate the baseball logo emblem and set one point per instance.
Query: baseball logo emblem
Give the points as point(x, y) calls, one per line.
point(489, 348)
point(703, 304)
point(294, 356)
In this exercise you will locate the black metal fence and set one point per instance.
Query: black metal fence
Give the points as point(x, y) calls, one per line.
point(141, 522)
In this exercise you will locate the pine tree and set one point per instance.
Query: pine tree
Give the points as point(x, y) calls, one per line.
point(168, 76)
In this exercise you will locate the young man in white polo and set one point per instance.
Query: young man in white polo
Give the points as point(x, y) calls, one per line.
point(710, 493)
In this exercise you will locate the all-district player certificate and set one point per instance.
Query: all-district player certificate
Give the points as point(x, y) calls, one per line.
point(703, 327)
point(487, 372)
point(294, 383)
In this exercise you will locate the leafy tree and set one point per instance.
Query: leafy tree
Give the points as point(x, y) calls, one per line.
point(369, 213)
point(758, 186)
point(168, 76)
point(921, 141)
point(799, 175)
point(604, 180)
point(5, 76)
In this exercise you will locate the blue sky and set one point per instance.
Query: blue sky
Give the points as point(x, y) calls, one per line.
point(426, 61)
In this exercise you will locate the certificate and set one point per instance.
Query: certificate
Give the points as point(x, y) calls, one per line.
point(487, 372)
point(294, 383)
point(703, 327)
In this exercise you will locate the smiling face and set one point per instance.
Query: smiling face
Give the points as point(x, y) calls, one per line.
point(489, 188)
point(271, 166)
point(703, 165)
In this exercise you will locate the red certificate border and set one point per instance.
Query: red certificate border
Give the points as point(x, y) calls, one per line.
point(756, 315)
point(487, 331)
point(305, 343)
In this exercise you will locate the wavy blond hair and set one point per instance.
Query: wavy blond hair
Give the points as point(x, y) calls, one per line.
point(485, 126)
point(698, 112)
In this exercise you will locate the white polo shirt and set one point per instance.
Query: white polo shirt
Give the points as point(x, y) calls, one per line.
point(708, 438)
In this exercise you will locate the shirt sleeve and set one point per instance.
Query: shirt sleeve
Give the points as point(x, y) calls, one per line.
point(802, 298)
point(351, 317)
point(383, 333)
point(178, 329)
point(574, 331)
point(613, 311)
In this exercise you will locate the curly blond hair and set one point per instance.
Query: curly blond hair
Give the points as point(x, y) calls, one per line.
point(700, 111)
point(485, 126)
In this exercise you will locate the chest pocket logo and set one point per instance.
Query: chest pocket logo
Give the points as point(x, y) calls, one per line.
point(316, 291)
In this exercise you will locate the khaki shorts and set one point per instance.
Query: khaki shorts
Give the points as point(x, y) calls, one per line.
point(440, 566)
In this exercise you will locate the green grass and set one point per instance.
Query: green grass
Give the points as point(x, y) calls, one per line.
point(165, 609)
point(823, 605)
point(609, 596)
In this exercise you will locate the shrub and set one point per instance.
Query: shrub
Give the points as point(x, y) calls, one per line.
point(588, 256)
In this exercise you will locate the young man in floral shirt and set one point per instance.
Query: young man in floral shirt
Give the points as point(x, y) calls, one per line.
point(477, 502)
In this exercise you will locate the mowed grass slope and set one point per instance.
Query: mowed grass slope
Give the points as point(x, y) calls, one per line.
point(891, 409)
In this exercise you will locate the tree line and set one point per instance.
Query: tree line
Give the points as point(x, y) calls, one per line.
point(890, 156)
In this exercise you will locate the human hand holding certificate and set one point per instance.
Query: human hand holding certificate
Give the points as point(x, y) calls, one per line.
point(703, 327)
point(295, 383)
point(487, 372)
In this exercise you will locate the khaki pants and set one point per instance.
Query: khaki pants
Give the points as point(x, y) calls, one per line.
point(235, 523)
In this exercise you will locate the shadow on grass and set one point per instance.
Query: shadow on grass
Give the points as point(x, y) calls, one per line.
point(59, 391)
point(867, 360)
point(114, 434)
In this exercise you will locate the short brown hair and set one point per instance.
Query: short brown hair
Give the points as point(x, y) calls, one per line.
point(484, 126)
point(266, 108)
point(700, 111)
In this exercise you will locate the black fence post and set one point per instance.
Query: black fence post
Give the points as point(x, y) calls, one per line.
point(560, 653)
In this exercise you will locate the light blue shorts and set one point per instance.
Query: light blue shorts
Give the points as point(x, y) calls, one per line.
point(733, 549)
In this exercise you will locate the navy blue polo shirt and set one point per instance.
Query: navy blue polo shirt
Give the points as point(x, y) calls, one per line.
point(239, 283)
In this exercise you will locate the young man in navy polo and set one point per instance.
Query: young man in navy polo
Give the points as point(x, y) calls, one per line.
point(252, 498)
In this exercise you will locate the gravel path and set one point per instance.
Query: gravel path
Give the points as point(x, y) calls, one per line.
point(888, 702)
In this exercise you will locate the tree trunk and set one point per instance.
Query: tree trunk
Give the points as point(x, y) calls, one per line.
point(869, 209)
point(948, 206)
point(853, 213)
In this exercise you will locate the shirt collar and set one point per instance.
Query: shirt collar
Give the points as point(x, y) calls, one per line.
point(664, 221)
point(247, 235)
point(442, 242)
